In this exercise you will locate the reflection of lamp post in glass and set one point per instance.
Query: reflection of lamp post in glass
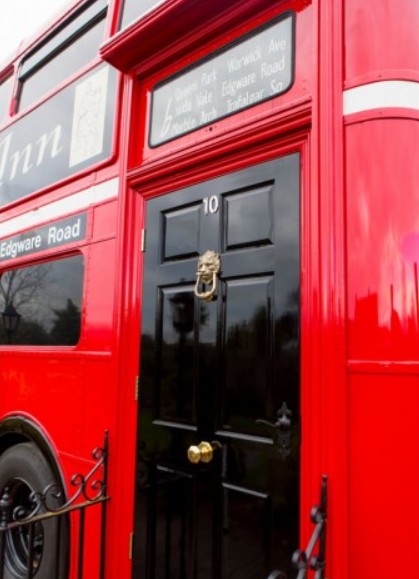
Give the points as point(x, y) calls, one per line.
point(11, 319)
point(182, 307)
point(182, 304)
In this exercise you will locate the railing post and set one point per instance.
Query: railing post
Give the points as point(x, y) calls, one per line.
point(305, 560)
point(104, 507)
point(5, 504)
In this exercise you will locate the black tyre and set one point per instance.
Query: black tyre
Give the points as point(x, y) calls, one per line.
point(23, 470)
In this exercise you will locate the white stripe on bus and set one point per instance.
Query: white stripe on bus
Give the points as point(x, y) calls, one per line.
point(402, 94)
point(70, 204)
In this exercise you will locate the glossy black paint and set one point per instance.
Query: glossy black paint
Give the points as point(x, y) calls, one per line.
point(214, 372)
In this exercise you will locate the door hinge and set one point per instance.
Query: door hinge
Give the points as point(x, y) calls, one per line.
point(143, 239)
point(131, 545)
point(137, 388)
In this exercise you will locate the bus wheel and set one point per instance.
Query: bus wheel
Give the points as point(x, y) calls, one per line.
point(24, 470)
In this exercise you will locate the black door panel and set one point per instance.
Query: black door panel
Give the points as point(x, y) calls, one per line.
point(225, 372)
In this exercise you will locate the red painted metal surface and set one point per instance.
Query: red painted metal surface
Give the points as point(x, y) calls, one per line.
point(381, 42)
point(383, 241)
point(382, 289)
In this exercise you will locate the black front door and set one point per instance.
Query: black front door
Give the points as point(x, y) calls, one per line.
point(223, 372)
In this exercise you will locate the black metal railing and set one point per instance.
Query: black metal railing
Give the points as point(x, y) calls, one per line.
point(308, 560)
point(25, 530)
point(305, 560)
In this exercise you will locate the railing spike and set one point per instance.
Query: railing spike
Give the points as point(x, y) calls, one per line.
point(304, 560)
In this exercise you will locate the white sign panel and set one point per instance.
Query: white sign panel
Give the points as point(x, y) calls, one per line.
point(257, 68)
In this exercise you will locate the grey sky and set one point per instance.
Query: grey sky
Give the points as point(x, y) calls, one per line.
point(21, 19)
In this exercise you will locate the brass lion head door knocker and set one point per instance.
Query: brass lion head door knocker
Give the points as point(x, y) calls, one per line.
point(209, 265)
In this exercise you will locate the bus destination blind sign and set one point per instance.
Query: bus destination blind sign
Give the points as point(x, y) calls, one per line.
point(67, 133)
point(249, 72)
point(46, 237)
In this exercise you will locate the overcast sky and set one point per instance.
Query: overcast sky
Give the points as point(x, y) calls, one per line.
point(19, 19)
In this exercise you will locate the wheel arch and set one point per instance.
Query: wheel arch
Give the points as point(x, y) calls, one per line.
point(18, 429)
point(29, 463)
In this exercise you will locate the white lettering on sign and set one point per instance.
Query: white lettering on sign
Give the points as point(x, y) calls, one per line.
point(10, 249)
point(204, 98)
point(209, 77)
point(244, 100)
point(230, 87)
point(56, 147)
point(208, 116)
point(4, 152)
point(255, 68)
point(268, 69)
point(168, 118)
point(186, 91)
point(31, 155)
point(277, 45)
point(235, 64)
point(59, 234)
point(184, 126)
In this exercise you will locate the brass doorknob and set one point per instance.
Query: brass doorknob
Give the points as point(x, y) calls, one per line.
point(201, 453)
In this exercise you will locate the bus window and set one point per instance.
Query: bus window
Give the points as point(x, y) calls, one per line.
point(5, 95)
point(41, 304)
point(63, 135)
point(131, 10)
point(65, 51)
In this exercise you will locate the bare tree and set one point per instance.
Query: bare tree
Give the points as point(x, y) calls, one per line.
point(18, 286)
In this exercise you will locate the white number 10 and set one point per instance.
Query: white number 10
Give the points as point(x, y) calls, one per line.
point(210, 204)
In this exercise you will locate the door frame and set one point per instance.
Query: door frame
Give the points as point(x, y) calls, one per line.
point(148, 184)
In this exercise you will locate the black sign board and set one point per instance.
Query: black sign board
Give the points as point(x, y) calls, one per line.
point(45, 237)
point(257, 68)
point(64, 135)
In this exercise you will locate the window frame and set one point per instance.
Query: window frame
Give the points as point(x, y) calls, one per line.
point(6, 76)
point(62, 36)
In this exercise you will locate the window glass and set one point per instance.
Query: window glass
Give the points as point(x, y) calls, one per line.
point(41, 304)
point(64, 135)
point(132, 10)
point(63, 54)
point(5, 95)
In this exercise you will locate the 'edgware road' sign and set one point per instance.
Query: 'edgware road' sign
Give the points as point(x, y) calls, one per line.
point(52, 235)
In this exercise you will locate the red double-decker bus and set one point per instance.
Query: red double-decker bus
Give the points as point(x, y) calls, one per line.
point(59, 190)
point(208, 272)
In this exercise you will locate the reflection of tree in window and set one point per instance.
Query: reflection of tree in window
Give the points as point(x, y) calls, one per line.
point(25, 288)
point(48, 297)
point(21, 285)
point(66, 327)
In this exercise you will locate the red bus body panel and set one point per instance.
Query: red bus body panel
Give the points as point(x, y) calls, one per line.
point(381, 177)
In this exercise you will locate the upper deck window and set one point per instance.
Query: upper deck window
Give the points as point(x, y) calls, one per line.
point(132, 10)
point(41, 304)
point(70, 47)
point(67, 133)
point(5, 95)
